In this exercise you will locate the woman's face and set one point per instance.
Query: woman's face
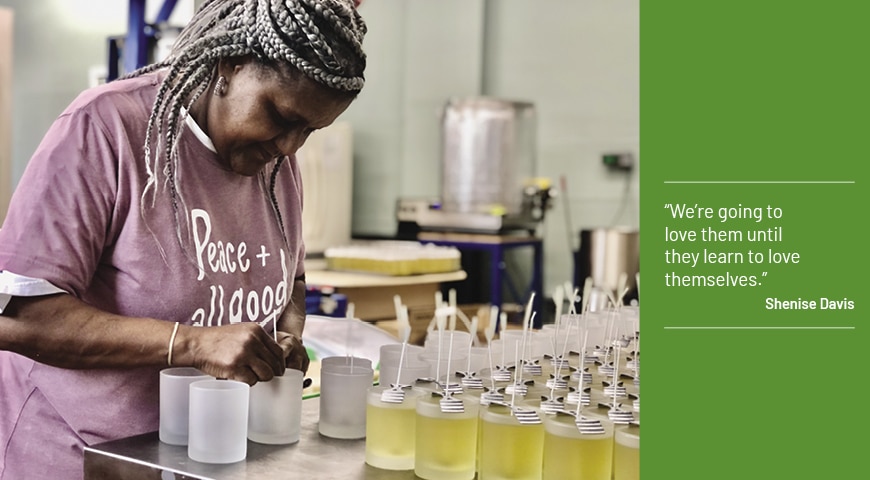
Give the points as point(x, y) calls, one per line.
point(263, 114)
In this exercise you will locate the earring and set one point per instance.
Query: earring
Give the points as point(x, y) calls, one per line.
point(220, 86)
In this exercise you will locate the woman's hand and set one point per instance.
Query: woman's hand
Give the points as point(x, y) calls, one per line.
point(295, 354)
point(241, 351)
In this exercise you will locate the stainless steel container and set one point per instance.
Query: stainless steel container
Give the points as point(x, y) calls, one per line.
point(488, 153)
point(605, 254)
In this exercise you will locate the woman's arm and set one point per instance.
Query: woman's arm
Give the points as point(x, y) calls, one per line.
point(290, 327)
point(62, 331)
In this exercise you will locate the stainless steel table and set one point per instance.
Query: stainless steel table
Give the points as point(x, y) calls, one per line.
point(145, 457)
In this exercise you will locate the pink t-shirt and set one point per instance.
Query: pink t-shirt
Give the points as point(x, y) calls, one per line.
point(77, 220)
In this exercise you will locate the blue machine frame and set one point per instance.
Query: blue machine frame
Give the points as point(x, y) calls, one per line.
point(133, 47)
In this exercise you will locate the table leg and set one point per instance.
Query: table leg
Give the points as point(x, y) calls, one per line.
point(538, 283)
point(495, 271)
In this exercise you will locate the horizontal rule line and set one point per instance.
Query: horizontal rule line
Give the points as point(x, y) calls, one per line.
point(762, 182)
point(760, 328)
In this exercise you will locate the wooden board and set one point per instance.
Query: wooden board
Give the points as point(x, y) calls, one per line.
point(5, 110)
point(372, 295)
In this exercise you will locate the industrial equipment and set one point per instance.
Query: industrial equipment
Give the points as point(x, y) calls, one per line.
point(488, 181)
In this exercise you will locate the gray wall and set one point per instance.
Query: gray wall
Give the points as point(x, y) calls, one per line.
point(56, 45)
point(577, 60)
point(53, 50)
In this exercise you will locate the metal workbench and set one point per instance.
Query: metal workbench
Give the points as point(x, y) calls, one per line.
point(496, 247)
point(145, 457)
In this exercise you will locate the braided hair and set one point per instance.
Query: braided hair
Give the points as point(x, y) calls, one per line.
point(322, 39)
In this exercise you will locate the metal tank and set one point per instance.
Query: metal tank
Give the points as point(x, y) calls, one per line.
point(606, 254)
point(488, 155)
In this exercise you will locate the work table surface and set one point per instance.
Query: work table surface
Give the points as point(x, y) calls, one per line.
point(144, 457)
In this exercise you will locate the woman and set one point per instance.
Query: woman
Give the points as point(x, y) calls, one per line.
point(155, 206)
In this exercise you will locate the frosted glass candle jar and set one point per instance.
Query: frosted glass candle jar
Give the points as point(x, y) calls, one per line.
point(343, 392)
point(570, 454)
point(391, 430)
point(411, 371)
point(343, 361)
point(412, 366)
point(446, 443)
point(218, 421)
point(509, 449)
point(626, 453)
point(275, 409)
point(175, 403)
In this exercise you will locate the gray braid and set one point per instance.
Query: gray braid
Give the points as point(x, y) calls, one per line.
point(320, 38)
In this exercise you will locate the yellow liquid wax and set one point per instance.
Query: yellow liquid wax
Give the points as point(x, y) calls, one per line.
point(445, 448)
point(577, 458)
point(479, 443)
point(626, 462)
point(511, 451)
point(390, 437)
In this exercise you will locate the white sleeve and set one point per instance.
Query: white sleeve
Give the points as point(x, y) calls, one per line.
point(14, 285)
